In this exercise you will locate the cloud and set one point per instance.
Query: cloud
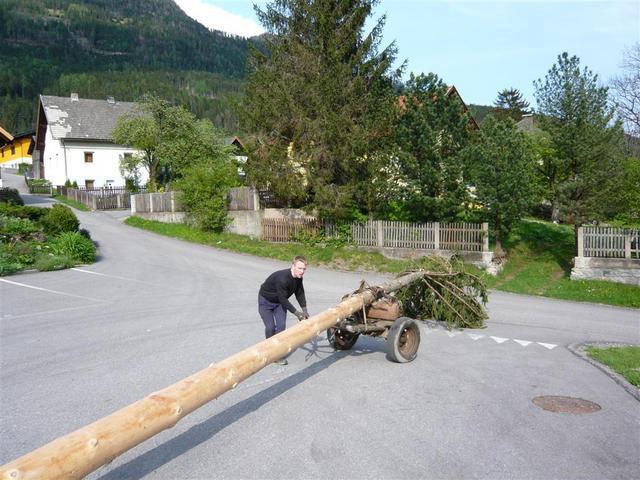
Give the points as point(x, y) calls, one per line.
point(216, 18)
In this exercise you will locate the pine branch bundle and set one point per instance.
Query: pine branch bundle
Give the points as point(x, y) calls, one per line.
point(445, 292)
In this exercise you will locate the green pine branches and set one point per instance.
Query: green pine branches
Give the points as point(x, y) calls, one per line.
point(445, 293)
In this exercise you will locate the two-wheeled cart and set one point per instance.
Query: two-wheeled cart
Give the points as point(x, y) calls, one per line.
point(383, 318)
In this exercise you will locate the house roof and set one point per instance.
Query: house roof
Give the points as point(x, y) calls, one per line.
point(451, 91)
point(528, 123)
point(80, 118)
point(5, 137)
point(235, 140)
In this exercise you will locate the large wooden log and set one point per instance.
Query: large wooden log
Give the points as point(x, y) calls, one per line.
point(83, 451)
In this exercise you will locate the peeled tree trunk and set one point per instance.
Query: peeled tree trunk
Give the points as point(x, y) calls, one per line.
point(83, 451)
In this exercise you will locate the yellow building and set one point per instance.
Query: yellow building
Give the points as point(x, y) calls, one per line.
point(14, 150)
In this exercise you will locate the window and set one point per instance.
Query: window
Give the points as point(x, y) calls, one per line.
point(88, 157)
point(88, 183)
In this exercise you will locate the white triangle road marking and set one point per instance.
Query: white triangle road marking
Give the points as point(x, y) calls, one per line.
point(475, 336)
point(524, 343)
point(499, 339)
point(550, 346)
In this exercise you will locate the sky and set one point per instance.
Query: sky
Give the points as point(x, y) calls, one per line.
point(481, 47)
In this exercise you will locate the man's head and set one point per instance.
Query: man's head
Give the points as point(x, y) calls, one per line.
point(298, 267)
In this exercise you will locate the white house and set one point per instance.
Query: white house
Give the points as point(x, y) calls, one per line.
point(73, 141)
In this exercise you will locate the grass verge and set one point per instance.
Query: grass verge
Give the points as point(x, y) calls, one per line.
point(539, 262)
point(345, 258)
point(71, 202)
point(540, 256)
point(622, 360)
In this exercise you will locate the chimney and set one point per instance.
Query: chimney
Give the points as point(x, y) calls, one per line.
point(111, 100)
point(74, 97)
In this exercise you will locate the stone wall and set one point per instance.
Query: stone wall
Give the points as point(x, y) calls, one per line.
point(620, 270)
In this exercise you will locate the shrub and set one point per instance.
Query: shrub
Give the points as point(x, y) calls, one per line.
point(13, 229)
point(22, 211)
point(75, 246)
point(8, 265)
point(40, 182)
point(10, 195)
point(60, 219)
point(47, 263)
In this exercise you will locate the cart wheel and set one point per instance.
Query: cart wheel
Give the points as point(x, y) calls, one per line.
point(403, 340)
point(341, 339)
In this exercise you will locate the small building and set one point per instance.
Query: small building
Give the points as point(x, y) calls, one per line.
point(74, 141)
point(14, 150)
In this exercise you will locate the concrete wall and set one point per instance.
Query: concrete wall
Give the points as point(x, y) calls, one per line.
point(620, 270)
point(480, 259)
point(166, 217)
point(246, 222)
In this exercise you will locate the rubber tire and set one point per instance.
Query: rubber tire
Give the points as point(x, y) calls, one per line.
point(403, 340)
point(343, 340)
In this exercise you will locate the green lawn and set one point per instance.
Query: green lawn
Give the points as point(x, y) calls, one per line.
point(623, 360)
point(539, 260)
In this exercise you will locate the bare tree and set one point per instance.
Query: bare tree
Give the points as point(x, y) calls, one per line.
point(627, 90)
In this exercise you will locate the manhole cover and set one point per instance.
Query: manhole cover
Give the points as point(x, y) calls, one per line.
point(565, 404)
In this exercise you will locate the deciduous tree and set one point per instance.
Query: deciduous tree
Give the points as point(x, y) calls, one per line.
point(627, 90)
point(189, 152)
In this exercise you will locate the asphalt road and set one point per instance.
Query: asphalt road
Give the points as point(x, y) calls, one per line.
point(76, 345)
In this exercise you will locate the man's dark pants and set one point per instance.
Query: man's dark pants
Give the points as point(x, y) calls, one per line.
point(274, 316)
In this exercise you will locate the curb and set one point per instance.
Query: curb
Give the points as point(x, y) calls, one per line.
point(579, 349)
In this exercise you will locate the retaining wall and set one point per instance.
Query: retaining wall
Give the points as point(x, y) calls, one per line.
point(620, 270)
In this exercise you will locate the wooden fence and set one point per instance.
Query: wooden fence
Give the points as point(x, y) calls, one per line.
point(462, 237)
point(608, 242)
point(243, 198)
point(286, 229)
point(156, 202)
point(99, 198)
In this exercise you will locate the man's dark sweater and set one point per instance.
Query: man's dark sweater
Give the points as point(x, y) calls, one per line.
point(280, 285)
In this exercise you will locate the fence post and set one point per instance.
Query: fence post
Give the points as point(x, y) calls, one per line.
point(379, 233)
point(485, 237)
point(173, 201)
point(627, 245)
point(436, 236)
point(580, 241)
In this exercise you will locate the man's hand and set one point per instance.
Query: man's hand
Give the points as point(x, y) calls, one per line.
point(300, 315)
point(305, 312)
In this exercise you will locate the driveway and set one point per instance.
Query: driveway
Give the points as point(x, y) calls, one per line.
point(76, 345)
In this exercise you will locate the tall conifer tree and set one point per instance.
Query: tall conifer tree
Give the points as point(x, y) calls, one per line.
point(319, 101)
point(587, 145)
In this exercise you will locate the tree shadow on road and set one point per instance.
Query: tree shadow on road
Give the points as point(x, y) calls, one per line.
point(148, 462)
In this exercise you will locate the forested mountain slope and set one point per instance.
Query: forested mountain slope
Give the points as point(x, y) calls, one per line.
point(114, 47)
